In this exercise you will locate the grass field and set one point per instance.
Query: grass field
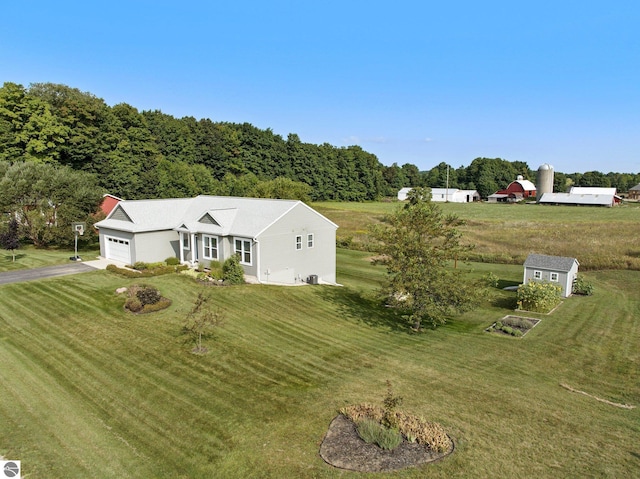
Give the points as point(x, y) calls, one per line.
point(601, 238)
point(91, 391)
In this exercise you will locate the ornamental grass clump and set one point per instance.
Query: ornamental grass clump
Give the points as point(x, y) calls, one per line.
point(372, 432)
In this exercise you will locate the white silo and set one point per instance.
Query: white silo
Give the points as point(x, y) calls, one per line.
point(544, 181)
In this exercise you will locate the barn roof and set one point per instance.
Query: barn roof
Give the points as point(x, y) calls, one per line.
point(526, 185)
point(578, 199)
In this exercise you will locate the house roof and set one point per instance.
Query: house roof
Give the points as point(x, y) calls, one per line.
point(555, 263)
point(635, 188)
point(220, 215)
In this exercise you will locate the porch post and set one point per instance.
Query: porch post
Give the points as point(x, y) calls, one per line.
point(181, 248)
point(193, 246)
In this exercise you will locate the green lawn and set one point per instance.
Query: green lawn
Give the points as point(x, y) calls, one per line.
point(30, 257)
point(91, 391)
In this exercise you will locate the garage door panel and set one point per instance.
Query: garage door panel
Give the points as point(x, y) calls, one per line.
point(118, 249)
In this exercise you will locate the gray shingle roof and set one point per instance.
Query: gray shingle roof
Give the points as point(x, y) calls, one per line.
point(236, 216)
point(554, 263)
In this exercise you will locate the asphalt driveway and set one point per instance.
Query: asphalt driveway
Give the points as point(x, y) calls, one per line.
point(46, 272)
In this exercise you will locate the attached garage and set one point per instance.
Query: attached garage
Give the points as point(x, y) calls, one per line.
point(117, 249)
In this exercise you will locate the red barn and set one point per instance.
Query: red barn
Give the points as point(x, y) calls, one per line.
point(516, 191)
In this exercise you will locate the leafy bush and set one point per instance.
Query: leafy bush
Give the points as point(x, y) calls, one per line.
point(232, 272)
point(582, 286)
point(140, 266)
point(215, 270)
point(163, 303)
point(148, 295)
point(539, 296)
point(172, 261)
point(133, 304)
point(146, 273)
point(145, 299)
point(492, 280)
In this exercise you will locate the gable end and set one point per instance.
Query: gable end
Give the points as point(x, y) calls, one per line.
point(208, 220)
point(119, 214)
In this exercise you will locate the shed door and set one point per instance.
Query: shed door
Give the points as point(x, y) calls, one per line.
point(118, 249)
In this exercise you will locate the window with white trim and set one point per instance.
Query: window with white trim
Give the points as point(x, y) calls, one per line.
point(210, 247)
point(554, 277)
point(298, 242)
point(243, 250)
point(185, 240)
point(310, 240)
point(537, 275)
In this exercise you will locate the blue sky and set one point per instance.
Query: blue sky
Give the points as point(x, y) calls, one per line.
point(411, 81)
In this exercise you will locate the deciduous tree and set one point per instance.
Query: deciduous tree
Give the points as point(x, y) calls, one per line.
point(10, 239)
point(417, 244)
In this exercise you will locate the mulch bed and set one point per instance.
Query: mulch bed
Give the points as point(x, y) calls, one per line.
point(343, 448)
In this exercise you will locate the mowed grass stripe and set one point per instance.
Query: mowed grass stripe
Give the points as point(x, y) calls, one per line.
point(81, 366)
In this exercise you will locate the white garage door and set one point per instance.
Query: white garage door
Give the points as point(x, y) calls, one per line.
point(118, 249)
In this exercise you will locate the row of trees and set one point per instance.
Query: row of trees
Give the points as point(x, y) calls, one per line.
point(150, 154)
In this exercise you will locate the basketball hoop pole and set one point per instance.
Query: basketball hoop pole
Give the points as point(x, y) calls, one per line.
point(75, 258)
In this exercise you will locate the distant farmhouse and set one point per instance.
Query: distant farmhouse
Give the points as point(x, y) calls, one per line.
point(516, 191)
point(277, 241)
point(554, 269)
point(583, 196)
point(634, 193)
point(452, 195)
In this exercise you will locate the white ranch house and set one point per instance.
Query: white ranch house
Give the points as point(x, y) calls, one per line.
point(278, 241)
point(554, 269)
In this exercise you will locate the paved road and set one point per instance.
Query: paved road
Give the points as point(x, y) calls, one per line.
point(46, 272)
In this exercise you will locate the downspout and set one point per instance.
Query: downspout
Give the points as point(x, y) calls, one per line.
point(257, 243)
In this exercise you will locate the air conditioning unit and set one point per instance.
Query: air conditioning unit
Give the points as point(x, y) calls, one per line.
point(312, 279)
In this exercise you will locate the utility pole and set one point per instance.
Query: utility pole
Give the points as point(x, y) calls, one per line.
point(446, 198)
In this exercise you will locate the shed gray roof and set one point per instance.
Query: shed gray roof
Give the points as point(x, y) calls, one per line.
point(233, 215)
point(554, 263)
point(635, 188)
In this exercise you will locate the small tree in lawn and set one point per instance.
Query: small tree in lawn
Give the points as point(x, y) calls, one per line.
point(201, 321)
point(417, 244)
point(9, 240)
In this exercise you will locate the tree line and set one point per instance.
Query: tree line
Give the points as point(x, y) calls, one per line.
point(149, 154)
point(488, 175)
